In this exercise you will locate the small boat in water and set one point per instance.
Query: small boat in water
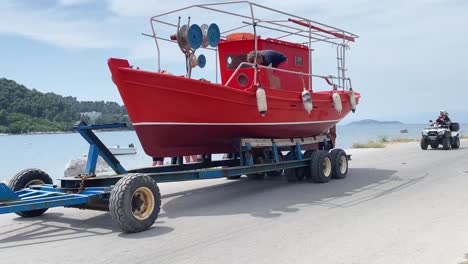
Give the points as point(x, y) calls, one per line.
point(404, 130)
point(179, 115)
point(117, 150)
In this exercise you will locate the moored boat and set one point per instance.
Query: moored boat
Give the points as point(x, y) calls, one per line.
point(179, 115)
point(117, 150)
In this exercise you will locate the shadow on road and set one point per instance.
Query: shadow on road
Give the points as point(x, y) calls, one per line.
point(267, 199)
point(52, 227)
point(273, 197)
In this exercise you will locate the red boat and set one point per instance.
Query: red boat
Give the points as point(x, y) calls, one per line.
point(178, 115)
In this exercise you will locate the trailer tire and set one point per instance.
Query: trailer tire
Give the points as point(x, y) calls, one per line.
point(258, 175)
point(320, 167)
point(290, 175)
point(28, 177)
point(339, 163)
point(307, 155)
point(229, 156)
point(135, 202)
point(295, 174)
point(275, 173)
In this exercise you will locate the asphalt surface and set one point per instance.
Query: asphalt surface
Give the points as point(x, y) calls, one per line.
point(397, 205)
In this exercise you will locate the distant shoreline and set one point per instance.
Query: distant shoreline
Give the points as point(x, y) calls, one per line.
point(39, 133)
point(374, 122)
point(63, 132)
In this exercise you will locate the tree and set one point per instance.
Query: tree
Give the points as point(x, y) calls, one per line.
point(24, 110)
point(3, 117)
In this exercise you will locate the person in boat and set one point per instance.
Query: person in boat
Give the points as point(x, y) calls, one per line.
point(269, 58)
point(443, 119)
point(191, 159)
point(131, 145)
point(158, 161)
point(332, 135)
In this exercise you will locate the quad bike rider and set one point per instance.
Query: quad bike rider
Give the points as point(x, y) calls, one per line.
point(442, 131)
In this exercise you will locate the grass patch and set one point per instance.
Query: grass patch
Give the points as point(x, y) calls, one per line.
point(369, 144)
point(384, 139)
point(382, 142)
point(403, 140)
point(464, 137)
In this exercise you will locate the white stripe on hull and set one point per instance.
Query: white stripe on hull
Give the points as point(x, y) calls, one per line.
point(234, 124)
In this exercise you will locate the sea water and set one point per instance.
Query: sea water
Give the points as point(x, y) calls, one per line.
point(52, 152)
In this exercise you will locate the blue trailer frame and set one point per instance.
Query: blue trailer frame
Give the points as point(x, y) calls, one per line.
point(47, 196)
point(90, 191)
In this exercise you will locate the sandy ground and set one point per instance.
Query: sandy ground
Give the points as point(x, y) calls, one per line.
point(397, 205)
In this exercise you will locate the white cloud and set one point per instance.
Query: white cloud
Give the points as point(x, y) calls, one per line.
point(49, 26)
point(145, 8)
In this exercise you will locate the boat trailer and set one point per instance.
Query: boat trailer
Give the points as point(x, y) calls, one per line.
point(132, 196)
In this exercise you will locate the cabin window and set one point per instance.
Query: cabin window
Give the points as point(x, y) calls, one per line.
point(298, 61)
point(233, 60)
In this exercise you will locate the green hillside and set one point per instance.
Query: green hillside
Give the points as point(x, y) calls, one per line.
point(25, 111)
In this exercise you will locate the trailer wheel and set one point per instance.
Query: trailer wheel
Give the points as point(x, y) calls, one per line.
point(293, 175)
point(259, 175)
point(320, 167)
point(24, 179)
point(307, 155)
point(290, 175)
point(339, 163)
point(229, 156)
point(135, 202)
point(277, 172)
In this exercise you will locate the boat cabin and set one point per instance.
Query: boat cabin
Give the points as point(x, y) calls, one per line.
point(233, 51)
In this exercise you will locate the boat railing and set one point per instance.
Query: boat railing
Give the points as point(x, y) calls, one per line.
point(286, 24)
point(329, 79)
point(324, 33)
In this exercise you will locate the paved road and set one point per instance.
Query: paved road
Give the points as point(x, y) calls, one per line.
point(398, 205)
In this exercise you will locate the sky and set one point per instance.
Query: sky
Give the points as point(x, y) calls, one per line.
point(409, 62)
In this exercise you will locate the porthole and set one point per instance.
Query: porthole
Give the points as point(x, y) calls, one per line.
point(243, 80)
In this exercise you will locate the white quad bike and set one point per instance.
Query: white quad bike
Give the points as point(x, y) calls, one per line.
point(447, 136)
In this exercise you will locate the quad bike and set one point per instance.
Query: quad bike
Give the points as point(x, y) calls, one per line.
point(441, 134)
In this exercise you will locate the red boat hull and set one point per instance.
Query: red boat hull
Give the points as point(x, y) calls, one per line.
point(174, 115)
